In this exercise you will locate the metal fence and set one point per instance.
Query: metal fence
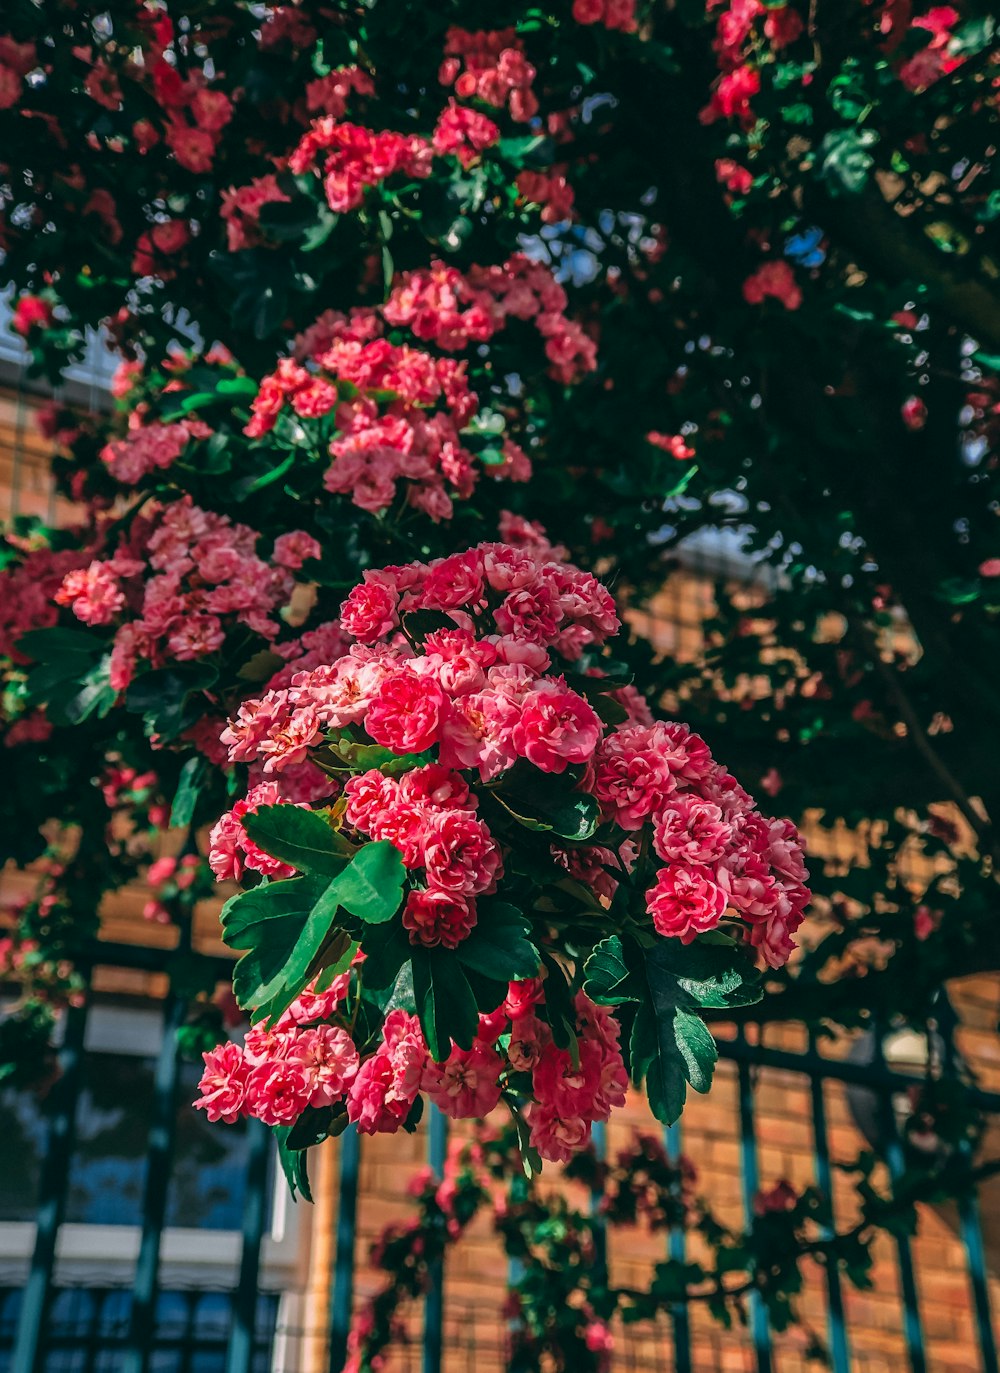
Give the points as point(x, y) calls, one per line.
point(142, 1324)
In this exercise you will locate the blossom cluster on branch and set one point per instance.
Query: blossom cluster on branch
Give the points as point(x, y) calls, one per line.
point(416, 258)
point(445, 744)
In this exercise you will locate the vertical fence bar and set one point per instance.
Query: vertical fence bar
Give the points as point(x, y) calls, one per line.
point(677, 1250)
point(437, 1148)
point(972, 1237)
point(159, 1160)
point(893, 1151)
point(28, 1350)
point(342, 1299)
point(970, 1225)
point(760, 1331)
point(239, 1354)
point(836, 1329)
point(600, 1139)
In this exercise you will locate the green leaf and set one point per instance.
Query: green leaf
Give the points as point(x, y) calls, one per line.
point(500, 945)
point(560, 1008)
point(189, 784)
point(529, 150)
point(671, 1045)
point(845, 163)
point(387, 949)
point(170, 697)
point(66, 678)
point(237, 386)
point(984, 359)
point(266, 923)
point(657, 1063)
point(973, 36)
point(531, 1159)
point(293, 1163)
point(596, 690)
point(492, 457)
point(317, 234)
point(215, 457)
point(290, 929)
point(49, 645)
point(608, 980)
point(371, 885)
point(417, 624)
point(260, 666)
point(344, 755)
point(546, 801)
point(301, 838)
point(445, 1001)
point(316, 1124)
point(194, 400)
point(713, 975)
point(268, 478)
point(70, 685)
point(287, 220)
point(94, 696)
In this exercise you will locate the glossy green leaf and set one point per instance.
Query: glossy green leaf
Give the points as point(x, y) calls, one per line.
point(371, 885)
point(302, 838)
point(547, 802)
point(293, 1164)
point(500, 945)
point(608, 979)
point(189, 785)
point(445, 1002)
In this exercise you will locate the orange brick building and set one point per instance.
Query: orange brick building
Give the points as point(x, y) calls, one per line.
point(299, 1265)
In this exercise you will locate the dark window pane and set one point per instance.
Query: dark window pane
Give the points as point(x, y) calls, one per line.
point(108, 1170)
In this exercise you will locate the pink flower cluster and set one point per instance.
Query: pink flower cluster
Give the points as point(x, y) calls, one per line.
point(232, 851)
point(329, 94)
point(477, 691)
point(241, 207)
point(613, 14)
point(186, 576)
point(394, 435)
point(281, 1070)
point(441, 305)
point(16, 60)
point(30, 584)
point(31, 313)
point(429, 815)
point(775, 279)
point(149, 448)
point(734, 45)
point(674, 444)
point(469, 1082)
point(551, 190)
point(383, 395)
point(167, 877)
point(490, 66)
point(568, 1097)
point(156, 251)
point(935, 59)
point(302, 1062)
point(463, 133)
point(720, 854)
point(352, 159)
point(196, 115)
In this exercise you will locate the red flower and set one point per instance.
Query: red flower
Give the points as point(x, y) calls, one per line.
point(31, 312)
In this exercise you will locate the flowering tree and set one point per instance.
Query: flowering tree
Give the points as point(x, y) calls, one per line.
point(397, 291)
